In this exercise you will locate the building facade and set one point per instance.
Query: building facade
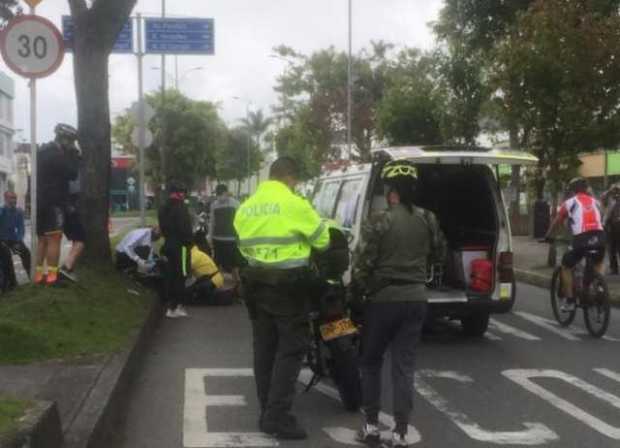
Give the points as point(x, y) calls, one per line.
point(7, 129)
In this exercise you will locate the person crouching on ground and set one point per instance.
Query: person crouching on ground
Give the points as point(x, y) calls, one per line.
point(209, 281)
point(136, 249)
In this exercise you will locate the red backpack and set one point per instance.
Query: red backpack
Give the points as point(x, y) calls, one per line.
point(481, 275)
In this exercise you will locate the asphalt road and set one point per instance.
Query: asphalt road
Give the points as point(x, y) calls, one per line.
point(528, 382)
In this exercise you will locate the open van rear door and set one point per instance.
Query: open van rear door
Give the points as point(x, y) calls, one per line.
point(457, 155)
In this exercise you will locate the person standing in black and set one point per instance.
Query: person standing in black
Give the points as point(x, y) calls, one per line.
point(222, 236)
point(57, 165)
point(611, 199)
point(176, 227)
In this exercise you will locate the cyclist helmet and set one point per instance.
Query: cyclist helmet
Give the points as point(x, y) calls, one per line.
point(399, 170)
point(578, 185)
point(66, 131)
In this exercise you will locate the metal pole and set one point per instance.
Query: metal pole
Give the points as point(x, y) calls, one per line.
point(141, 123)
point(349, 83)
point(247, 119)
point(33, 170)
point(162, 147)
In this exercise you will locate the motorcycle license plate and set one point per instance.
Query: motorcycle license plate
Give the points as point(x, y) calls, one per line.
point(337, 328)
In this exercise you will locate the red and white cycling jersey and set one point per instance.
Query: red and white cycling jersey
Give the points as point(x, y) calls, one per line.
point(584, 212)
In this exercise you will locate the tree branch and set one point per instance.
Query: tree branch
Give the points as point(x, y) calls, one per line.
point(77, 7)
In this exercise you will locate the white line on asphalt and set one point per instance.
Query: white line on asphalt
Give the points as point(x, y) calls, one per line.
point(523, 377)
point(535, 434)
point(609, 374)
point(547, 324)
point(345, 435)
point(509, 329)
point(195, 422)
point(492, 336)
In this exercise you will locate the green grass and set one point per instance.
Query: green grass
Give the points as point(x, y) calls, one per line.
point(97, 316)
point(10, 412)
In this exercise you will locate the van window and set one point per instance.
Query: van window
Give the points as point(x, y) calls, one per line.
point(325, 199)
point(348, 201)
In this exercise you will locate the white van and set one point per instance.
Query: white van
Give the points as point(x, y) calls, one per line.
point(458, 184)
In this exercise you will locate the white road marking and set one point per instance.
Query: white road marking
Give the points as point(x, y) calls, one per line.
point(523, 377)
point(345, 435)
point(509, 329)
point(195, 422)
point(609, 374)
point(548, 325)
point(492, 336)
point(535, 434)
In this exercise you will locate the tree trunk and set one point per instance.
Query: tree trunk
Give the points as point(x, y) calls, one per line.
point(91, 84)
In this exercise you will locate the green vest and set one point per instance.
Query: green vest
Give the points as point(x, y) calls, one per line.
point(277, 229)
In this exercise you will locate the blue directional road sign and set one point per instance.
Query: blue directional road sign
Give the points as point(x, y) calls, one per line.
point(180, 36)
point(124, 42)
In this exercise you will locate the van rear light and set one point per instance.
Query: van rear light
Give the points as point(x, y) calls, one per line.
point(505, 267)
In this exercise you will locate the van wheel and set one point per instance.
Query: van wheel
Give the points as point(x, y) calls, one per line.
point(475, 325)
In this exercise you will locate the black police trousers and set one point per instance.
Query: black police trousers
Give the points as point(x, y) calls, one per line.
point(281, 338)
point(397, 325)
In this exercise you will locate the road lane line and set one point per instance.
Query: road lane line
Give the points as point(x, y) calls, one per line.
point(523, 377)
point(195, 422)
point(609, 374)
point(548, 325)
point(345, 435)
point(509, 329)
point(534, 434)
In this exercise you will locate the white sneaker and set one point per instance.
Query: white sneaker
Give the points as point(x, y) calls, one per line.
point(172, 314)
point(568, 306)
point(181, 311)
point(399, 440)
point(370, 435)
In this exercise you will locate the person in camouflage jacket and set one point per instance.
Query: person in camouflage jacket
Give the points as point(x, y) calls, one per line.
point(390, 272)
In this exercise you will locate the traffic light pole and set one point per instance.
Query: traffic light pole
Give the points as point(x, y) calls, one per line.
point(33, 170)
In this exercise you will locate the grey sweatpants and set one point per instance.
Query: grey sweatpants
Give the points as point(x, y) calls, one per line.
point(397, 325)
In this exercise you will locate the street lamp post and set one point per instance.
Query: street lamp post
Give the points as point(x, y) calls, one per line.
point(247, 118)
point(177, 79)
point(349, 81)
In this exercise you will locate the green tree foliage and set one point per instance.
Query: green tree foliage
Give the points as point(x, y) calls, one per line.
point(560, 69)
point(238, 157)
point(8, 8)
point(193, 133)
point(409, 111)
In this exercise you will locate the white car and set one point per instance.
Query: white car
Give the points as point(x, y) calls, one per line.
point(458, 184)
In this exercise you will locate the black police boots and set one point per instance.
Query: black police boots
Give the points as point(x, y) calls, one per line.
point(285, 428)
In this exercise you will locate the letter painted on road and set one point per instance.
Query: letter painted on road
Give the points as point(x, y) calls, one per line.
point(535, 434)
point(195, 422)
point(523, 377)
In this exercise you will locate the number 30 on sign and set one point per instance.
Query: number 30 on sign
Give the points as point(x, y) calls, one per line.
point(32, 46)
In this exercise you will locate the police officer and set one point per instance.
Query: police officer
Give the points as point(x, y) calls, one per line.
point(389, 271)
point(277, 230)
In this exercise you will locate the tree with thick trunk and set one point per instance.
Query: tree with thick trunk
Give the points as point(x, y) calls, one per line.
point(97, 26)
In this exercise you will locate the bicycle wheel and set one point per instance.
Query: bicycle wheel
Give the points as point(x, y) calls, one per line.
point(596, 309)
point(564, 318)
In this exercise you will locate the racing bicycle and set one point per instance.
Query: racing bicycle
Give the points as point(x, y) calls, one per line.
point(591, 295)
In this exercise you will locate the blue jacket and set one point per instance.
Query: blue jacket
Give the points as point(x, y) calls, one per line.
point(11, 224)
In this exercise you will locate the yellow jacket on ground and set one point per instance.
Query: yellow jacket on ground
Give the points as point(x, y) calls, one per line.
point(203, 265)
point(277, 229)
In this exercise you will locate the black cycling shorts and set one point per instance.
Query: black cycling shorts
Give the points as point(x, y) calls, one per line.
point(73, 228)
point(582, 243)
point(50, 219)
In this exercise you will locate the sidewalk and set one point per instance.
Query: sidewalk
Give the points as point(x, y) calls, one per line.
point(530, 262)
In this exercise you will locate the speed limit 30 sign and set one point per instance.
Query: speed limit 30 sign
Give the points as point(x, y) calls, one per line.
point(32, 46)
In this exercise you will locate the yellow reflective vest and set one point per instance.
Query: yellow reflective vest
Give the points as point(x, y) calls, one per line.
point(277, 229)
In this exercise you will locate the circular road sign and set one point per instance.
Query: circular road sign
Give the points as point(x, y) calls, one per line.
point(32, 46)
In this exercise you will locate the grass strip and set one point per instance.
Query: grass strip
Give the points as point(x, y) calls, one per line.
point(11, 411)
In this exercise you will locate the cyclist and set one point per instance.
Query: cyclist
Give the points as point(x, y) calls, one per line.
point(584, 215)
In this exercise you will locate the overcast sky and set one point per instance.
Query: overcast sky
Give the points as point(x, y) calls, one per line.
point(245, 33)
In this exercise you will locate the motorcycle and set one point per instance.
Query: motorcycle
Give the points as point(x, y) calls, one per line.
point(335, 340)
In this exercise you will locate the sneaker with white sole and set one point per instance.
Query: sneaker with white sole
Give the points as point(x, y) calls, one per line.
point(370, 435)
point(172, 314)
point(181, 311)
point(68, 274)
point(568, 306)
point(400, 440)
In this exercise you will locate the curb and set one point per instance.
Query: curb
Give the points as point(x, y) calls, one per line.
point(39, 428)
point(105, 404)
point(543, 281)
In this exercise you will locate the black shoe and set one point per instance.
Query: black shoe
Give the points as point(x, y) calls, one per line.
point(285, 428)
point(369, 435)
point(67, 274)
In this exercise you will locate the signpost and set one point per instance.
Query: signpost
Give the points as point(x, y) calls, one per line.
point(180, 36)
point(124, 41)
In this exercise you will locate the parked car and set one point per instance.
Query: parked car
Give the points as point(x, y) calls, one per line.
point(458, 184)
